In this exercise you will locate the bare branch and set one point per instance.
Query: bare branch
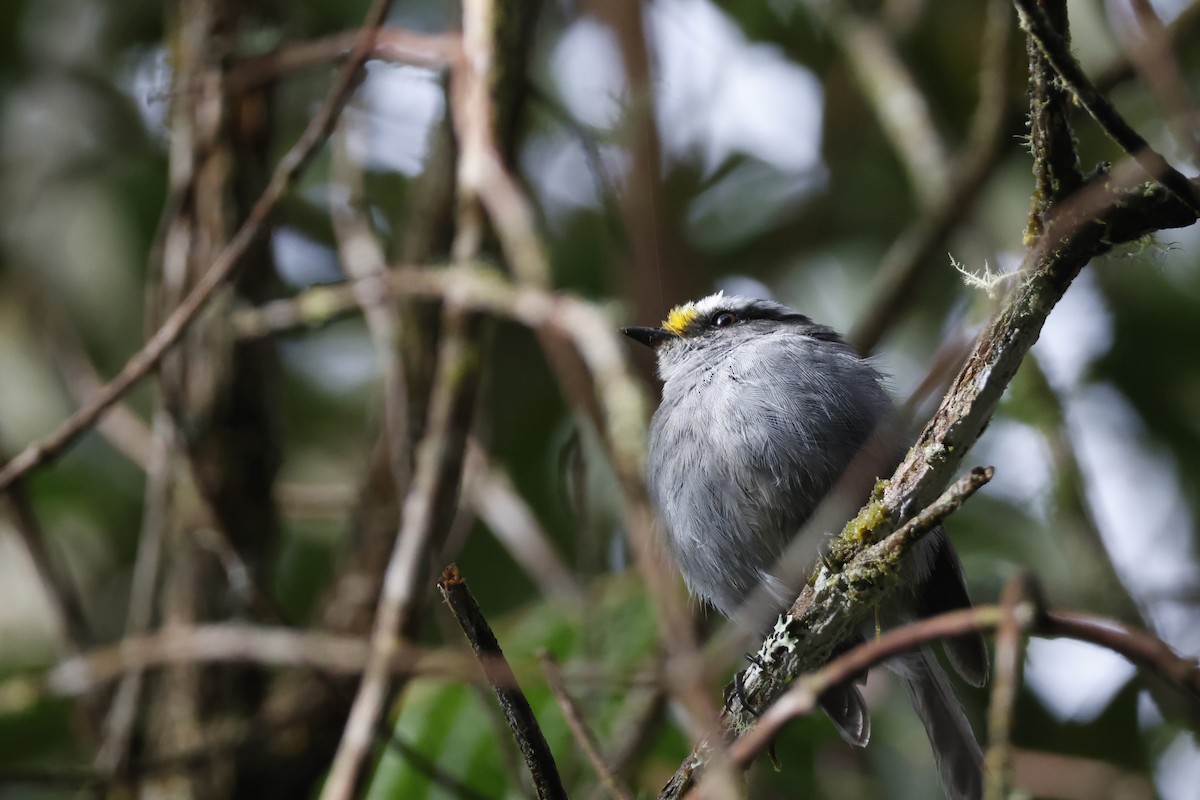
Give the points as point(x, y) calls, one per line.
point(362, 256)
point(896, 98)
point(1150, 49)
point(1182, 32)
point(517, 712)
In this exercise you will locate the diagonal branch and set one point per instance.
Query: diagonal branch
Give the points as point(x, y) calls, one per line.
point(517, 711)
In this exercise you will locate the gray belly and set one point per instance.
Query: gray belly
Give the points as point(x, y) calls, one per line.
point(730, 492)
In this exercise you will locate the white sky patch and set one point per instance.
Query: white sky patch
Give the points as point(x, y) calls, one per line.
point(745, 286)
point(821, 287)
point(1177, 773)
point(1135, 493)
point(747, 200)
point(586, 64)
point(338, 361)
point(1022, 463)
point(146, 78)
point(1074, 680)
point(1148, 713)
point(718, 94)
point(1175, 620)
point(402, 104)
point(301, 261)
point(565, 178)
point(1122, 12)
point(1077, 332)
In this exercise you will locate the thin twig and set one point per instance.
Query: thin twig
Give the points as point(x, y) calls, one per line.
point(1042, 774)
point(580, 729)
point(122, 427)
point(226, 261)
point(517, 712)
point(314, 500)
point(935, 513)
point(478, 288)
point(1058, 54)
point(156, 511)
point(1017, 602)
point(1100, 586)
point(437, 775)
point(641, 716)
point(430, 497)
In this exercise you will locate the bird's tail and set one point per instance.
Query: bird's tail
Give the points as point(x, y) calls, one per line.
point(955, 749)
point(848, 710)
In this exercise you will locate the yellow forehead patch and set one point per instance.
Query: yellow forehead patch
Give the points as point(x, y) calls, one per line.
point(679, 318)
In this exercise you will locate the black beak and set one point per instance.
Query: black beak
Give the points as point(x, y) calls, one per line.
point(651, 337)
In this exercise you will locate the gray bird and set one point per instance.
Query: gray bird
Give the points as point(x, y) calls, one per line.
point(763, 410)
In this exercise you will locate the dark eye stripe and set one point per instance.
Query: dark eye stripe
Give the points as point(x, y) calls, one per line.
point(723, 319)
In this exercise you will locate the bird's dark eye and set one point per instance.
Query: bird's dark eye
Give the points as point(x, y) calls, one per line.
point(724, 319)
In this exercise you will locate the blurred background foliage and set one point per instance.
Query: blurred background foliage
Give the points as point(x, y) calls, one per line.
point(767, 169)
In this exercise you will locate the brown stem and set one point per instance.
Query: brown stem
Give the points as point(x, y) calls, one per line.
point(517, 712)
